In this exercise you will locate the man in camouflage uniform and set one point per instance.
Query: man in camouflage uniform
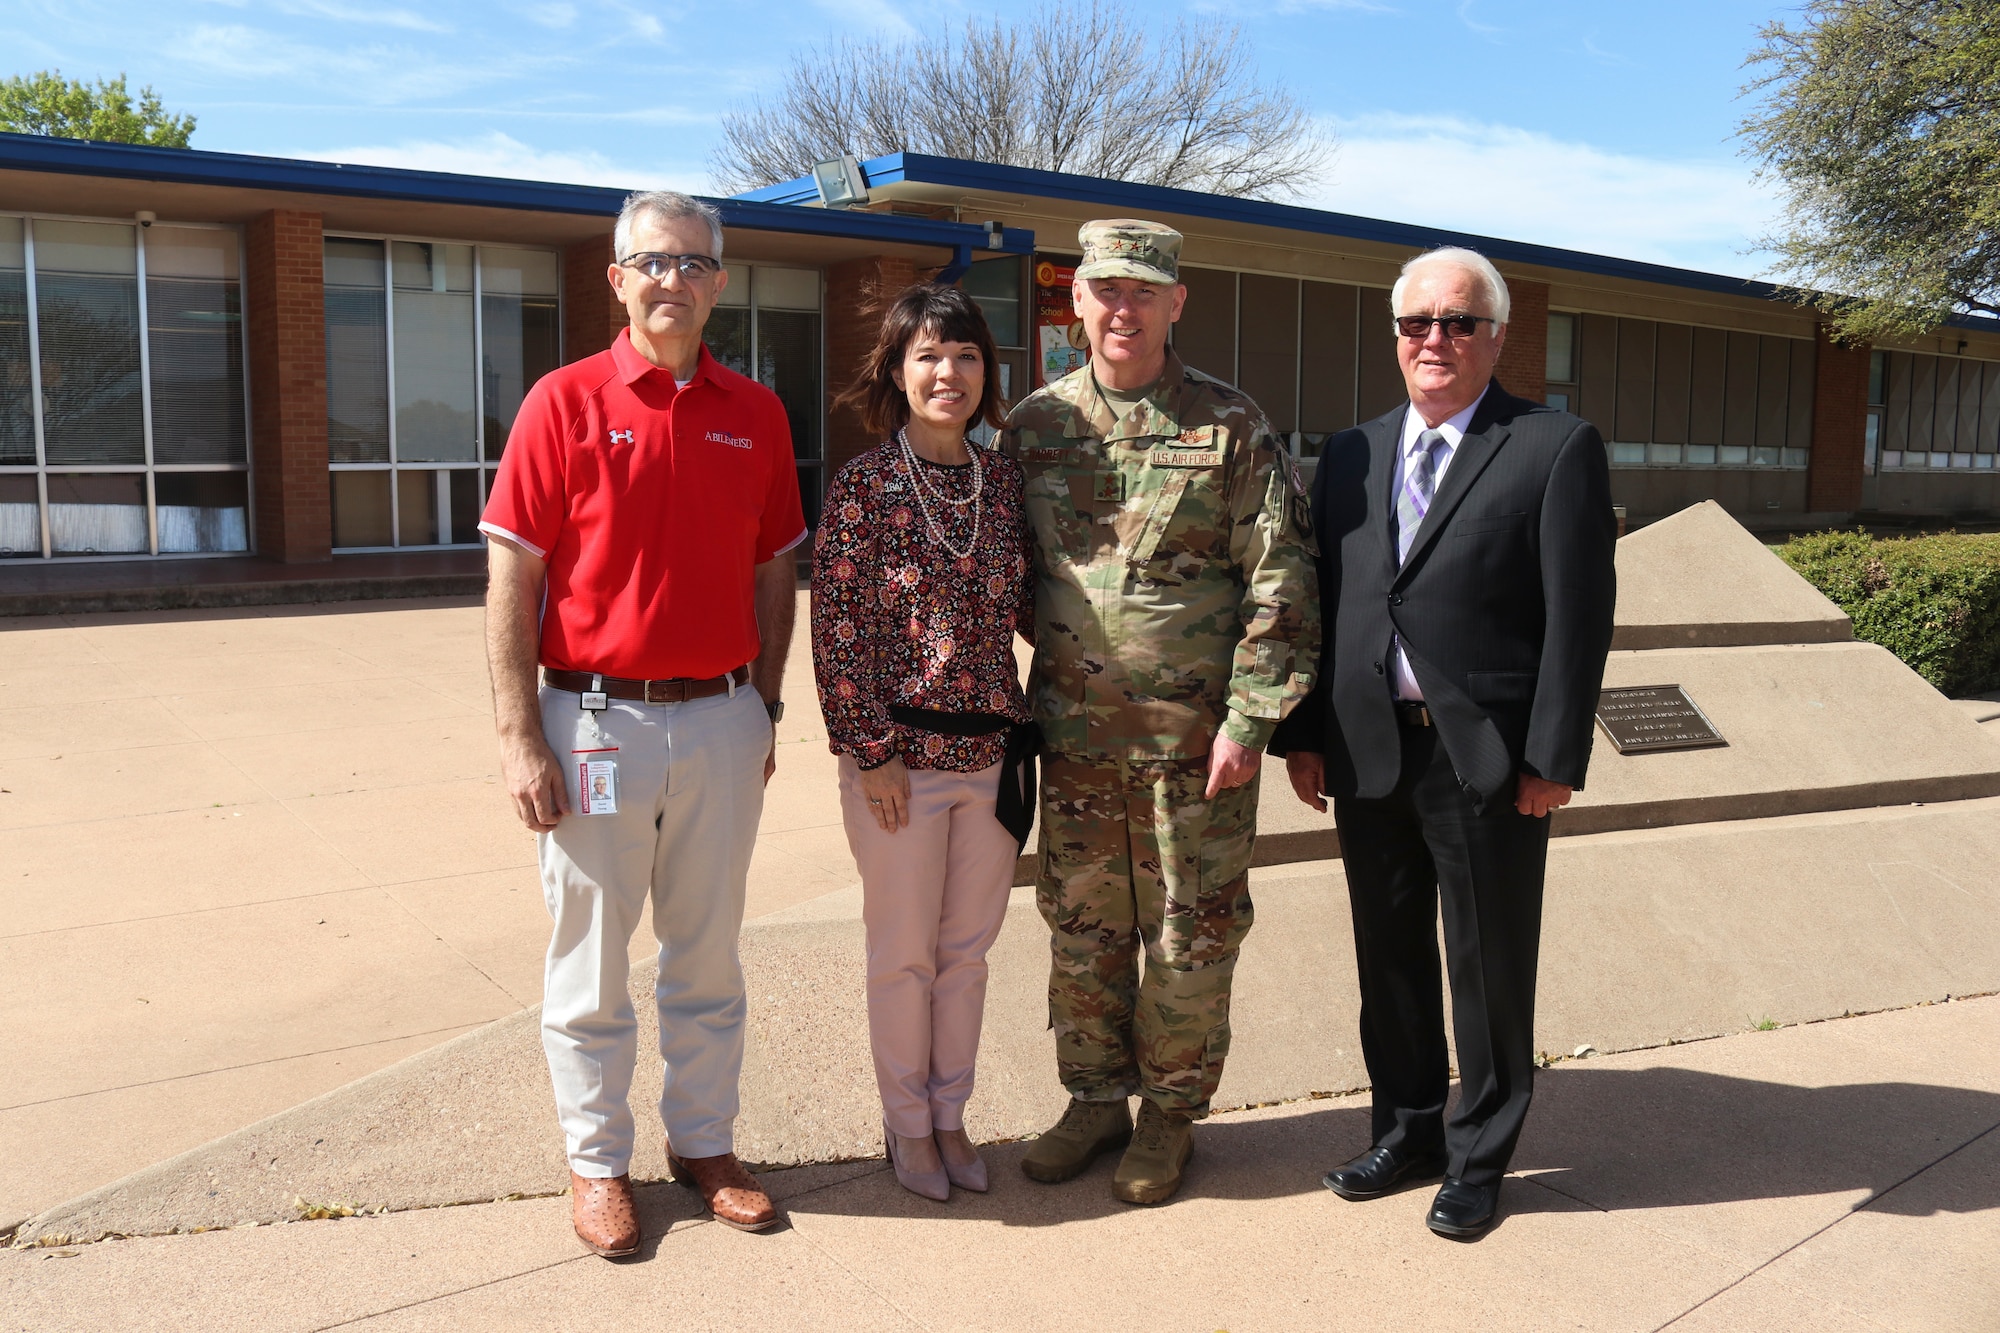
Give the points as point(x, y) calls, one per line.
point(1176, 621)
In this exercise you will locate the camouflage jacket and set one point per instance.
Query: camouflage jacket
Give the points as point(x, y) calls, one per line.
point(1176, 593)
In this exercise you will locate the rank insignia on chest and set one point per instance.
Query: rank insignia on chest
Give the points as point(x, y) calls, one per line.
point(1110, 488)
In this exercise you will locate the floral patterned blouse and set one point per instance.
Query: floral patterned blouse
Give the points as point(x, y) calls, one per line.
point(897, 619)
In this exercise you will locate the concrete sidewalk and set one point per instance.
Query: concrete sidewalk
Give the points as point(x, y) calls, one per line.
point(1833, 1176)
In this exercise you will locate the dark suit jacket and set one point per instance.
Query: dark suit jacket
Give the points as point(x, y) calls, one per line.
point(1504, 604)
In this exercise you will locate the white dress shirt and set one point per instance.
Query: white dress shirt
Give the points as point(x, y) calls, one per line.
point(1452, 428)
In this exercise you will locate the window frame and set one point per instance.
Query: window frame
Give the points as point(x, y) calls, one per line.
point(479, 463)
point(149, 469)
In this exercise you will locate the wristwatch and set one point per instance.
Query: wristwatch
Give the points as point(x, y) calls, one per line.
point(776, 708)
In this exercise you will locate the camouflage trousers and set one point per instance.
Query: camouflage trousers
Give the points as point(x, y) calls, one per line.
point(1134, 861)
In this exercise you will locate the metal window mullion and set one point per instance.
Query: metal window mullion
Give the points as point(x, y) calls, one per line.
point(146, 392)
point(478, 392)
point(243, 355)
point(389, 381)
point(35, 382)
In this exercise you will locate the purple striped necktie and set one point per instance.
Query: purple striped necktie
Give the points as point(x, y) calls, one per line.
point(1413, 501)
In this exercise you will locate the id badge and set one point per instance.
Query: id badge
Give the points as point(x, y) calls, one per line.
point(597, 780)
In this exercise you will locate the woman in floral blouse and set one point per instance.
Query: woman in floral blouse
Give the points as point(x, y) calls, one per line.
point(920, 579)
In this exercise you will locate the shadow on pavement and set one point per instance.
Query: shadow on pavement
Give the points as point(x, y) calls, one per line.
point(1613, 1139)
point(1666, 1138)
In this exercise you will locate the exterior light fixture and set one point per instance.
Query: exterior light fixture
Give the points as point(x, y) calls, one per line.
point(840, 182)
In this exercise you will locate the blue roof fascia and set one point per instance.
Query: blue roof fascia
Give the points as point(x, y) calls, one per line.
point(187, 166)
point(1127, 197)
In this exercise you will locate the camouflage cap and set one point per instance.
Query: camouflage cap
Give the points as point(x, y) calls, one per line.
point(1129, 248)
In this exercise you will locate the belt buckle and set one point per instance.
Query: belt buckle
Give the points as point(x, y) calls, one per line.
point(646, 690)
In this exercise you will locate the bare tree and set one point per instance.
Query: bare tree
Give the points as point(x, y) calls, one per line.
point(1069, 88)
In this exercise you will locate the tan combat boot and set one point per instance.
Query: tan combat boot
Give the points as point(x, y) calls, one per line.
point(1085, 1130)
point(1161, 1146)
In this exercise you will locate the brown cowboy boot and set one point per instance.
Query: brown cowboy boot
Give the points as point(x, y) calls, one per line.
point(730, 1191)
point(604, 1214)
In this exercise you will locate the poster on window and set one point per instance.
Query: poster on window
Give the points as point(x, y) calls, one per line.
point(1060, 346)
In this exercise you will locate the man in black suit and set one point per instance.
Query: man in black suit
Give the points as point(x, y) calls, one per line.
point(1468, 538)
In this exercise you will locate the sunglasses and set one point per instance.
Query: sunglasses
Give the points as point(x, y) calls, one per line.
point(655, 265)
point(1455, 326)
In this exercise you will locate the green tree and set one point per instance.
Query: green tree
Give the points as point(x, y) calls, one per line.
point(1880, 121)
point(47, 103)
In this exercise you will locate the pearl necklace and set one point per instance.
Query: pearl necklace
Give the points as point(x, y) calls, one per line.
point(920, 486)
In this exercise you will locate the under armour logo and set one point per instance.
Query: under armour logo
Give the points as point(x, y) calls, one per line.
point(621, 437)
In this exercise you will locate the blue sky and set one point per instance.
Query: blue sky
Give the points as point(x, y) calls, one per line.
point(1607, 127)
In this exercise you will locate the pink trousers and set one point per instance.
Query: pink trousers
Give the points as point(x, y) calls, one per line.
point(933, 894)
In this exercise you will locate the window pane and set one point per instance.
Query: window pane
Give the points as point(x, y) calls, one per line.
point(1270, 369)
point(464, 506)
point(1636, 341)
point(17, 404)
point(1205, 338)
point(357, 357)
point(1562, 349)
point(735, 292)
point(416, 508)
point(361, 509)
point(520, 331)
point(1380, 384)
point(1701, 455)
point(996, 286)
point(1876, 375)
point(788, 365)
point(87, 304)
point(20, 517)
point(194, 314)
point(97, 513)
point(1327, 349)
point(434, 362)
point(202, 511)
point(1559, 401)
point(787, 288)
point(728, 337)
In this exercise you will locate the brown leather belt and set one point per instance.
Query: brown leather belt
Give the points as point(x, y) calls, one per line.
point(676, 691)
point(1412, 713)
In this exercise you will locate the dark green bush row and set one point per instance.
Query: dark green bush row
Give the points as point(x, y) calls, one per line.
point(1932, 601)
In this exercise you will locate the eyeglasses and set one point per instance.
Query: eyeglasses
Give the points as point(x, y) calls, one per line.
point(1455, 326)
point(655, 265)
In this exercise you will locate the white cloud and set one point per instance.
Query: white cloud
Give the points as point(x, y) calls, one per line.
point(383, 18)
point(874, 15)
point(1497, 180)
point(376, 73)
point(498, 154)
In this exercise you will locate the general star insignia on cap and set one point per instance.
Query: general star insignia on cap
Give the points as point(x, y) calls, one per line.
point(1129, 248)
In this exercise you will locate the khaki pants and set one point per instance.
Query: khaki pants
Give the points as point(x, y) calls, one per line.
point(690, 792)
point(1136, 860)
point(934, 894)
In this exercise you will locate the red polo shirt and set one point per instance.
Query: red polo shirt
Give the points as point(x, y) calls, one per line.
point(652, 505)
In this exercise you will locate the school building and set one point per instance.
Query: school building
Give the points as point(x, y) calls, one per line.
point(207, 354)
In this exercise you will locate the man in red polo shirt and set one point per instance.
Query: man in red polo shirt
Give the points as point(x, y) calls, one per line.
point(640, 531)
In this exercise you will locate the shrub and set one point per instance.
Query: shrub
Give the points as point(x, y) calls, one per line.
point(1932, 601)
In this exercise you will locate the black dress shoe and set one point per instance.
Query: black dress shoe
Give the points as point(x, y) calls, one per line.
point(1378, 1171)
point(1463, 1211)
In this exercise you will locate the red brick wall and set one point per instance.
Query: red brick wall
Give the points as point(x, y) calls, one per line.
point(1524, 361)
point(285, 325)
point(592, 316)
point(1840, 426)
point(856, 289)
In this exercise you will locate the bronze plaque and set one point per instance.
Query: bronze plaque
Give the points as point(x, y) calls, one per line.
point(1642, 718)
